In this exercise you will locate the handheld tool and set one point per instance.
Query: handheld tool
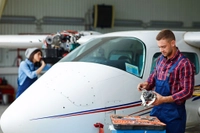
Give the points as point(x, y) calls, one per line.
point(147, 97)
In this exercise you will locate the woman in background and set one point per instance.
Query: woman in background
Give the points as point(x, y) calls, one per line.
point(29, 69)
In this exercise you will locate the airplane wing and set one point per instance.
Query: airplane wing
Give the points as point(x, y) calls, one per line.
point(27, 41)
point(192, 38)
point(21, 41)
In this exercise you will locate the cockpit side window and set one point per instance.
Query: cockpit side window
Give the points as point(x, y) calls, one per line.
point(154, 59)
point(125, 53)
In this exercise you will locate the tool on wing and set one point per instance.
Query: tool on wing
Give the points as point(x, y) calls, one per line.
point(147, 97)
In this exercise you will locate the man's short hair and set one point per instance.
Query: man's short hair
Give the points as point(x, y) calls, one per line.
point(165, 34)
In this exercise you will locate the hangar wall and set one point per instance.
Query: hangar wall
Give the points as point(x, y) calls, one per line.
point(185, 11)
point(170, 10)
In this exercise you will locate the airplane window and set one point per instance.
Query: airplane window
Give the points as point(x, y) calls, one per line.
point(120, 55)
point(125, 53)
point(80, 50)
point(154, 59)
point(191, 56)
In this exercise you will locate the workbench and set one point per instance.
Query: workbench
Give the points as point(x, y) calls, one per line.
point(7, 90)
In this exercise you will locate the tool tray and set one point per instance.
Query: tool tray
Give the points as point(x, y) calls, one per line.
point(121, 122)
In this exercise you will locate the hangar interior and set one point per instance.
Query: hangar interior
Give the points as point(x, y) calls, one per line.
point(50, 16)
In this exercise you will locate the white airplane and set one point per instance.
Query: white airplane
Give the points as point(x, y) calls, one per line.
point(96, 80)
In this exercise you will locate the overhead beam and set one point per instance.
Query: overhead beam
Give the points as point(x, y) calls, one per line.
point(166, 24)
point(128, 23)
point(62, 20)
point(17, 19)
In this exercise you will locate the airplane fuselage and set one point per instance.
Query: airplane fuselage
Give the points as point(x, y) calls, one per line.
point(91, 83)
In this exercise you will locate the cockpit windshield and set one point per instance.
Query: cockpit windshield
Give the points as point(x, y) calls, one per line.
point(125, 53)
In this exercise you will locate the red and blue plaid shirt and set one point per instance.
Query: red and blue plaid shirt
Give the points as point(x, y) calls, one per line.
point(181, 80)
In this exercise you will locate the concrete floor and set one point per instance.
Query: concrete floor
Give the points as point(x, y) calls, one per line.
point(193, 130)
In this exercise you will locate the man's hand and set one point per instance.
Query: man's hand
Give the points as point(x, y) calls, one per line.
point(159, 99)
point(142, 86)
point(162, 99)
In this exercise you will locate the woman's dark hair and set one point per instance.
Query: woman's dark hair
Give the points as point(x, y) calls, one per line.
point(33, 53)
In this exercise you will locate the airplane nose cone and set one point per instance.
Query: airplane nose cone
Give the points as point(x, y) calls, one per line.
point(14, 119)
point(7, 122)
point(17, 117)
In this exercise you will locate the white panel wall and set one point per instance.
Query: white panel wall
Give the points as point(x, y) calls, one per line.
point(186, 11)
point(17, 28)
point(8, 65)
point(145, 10)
